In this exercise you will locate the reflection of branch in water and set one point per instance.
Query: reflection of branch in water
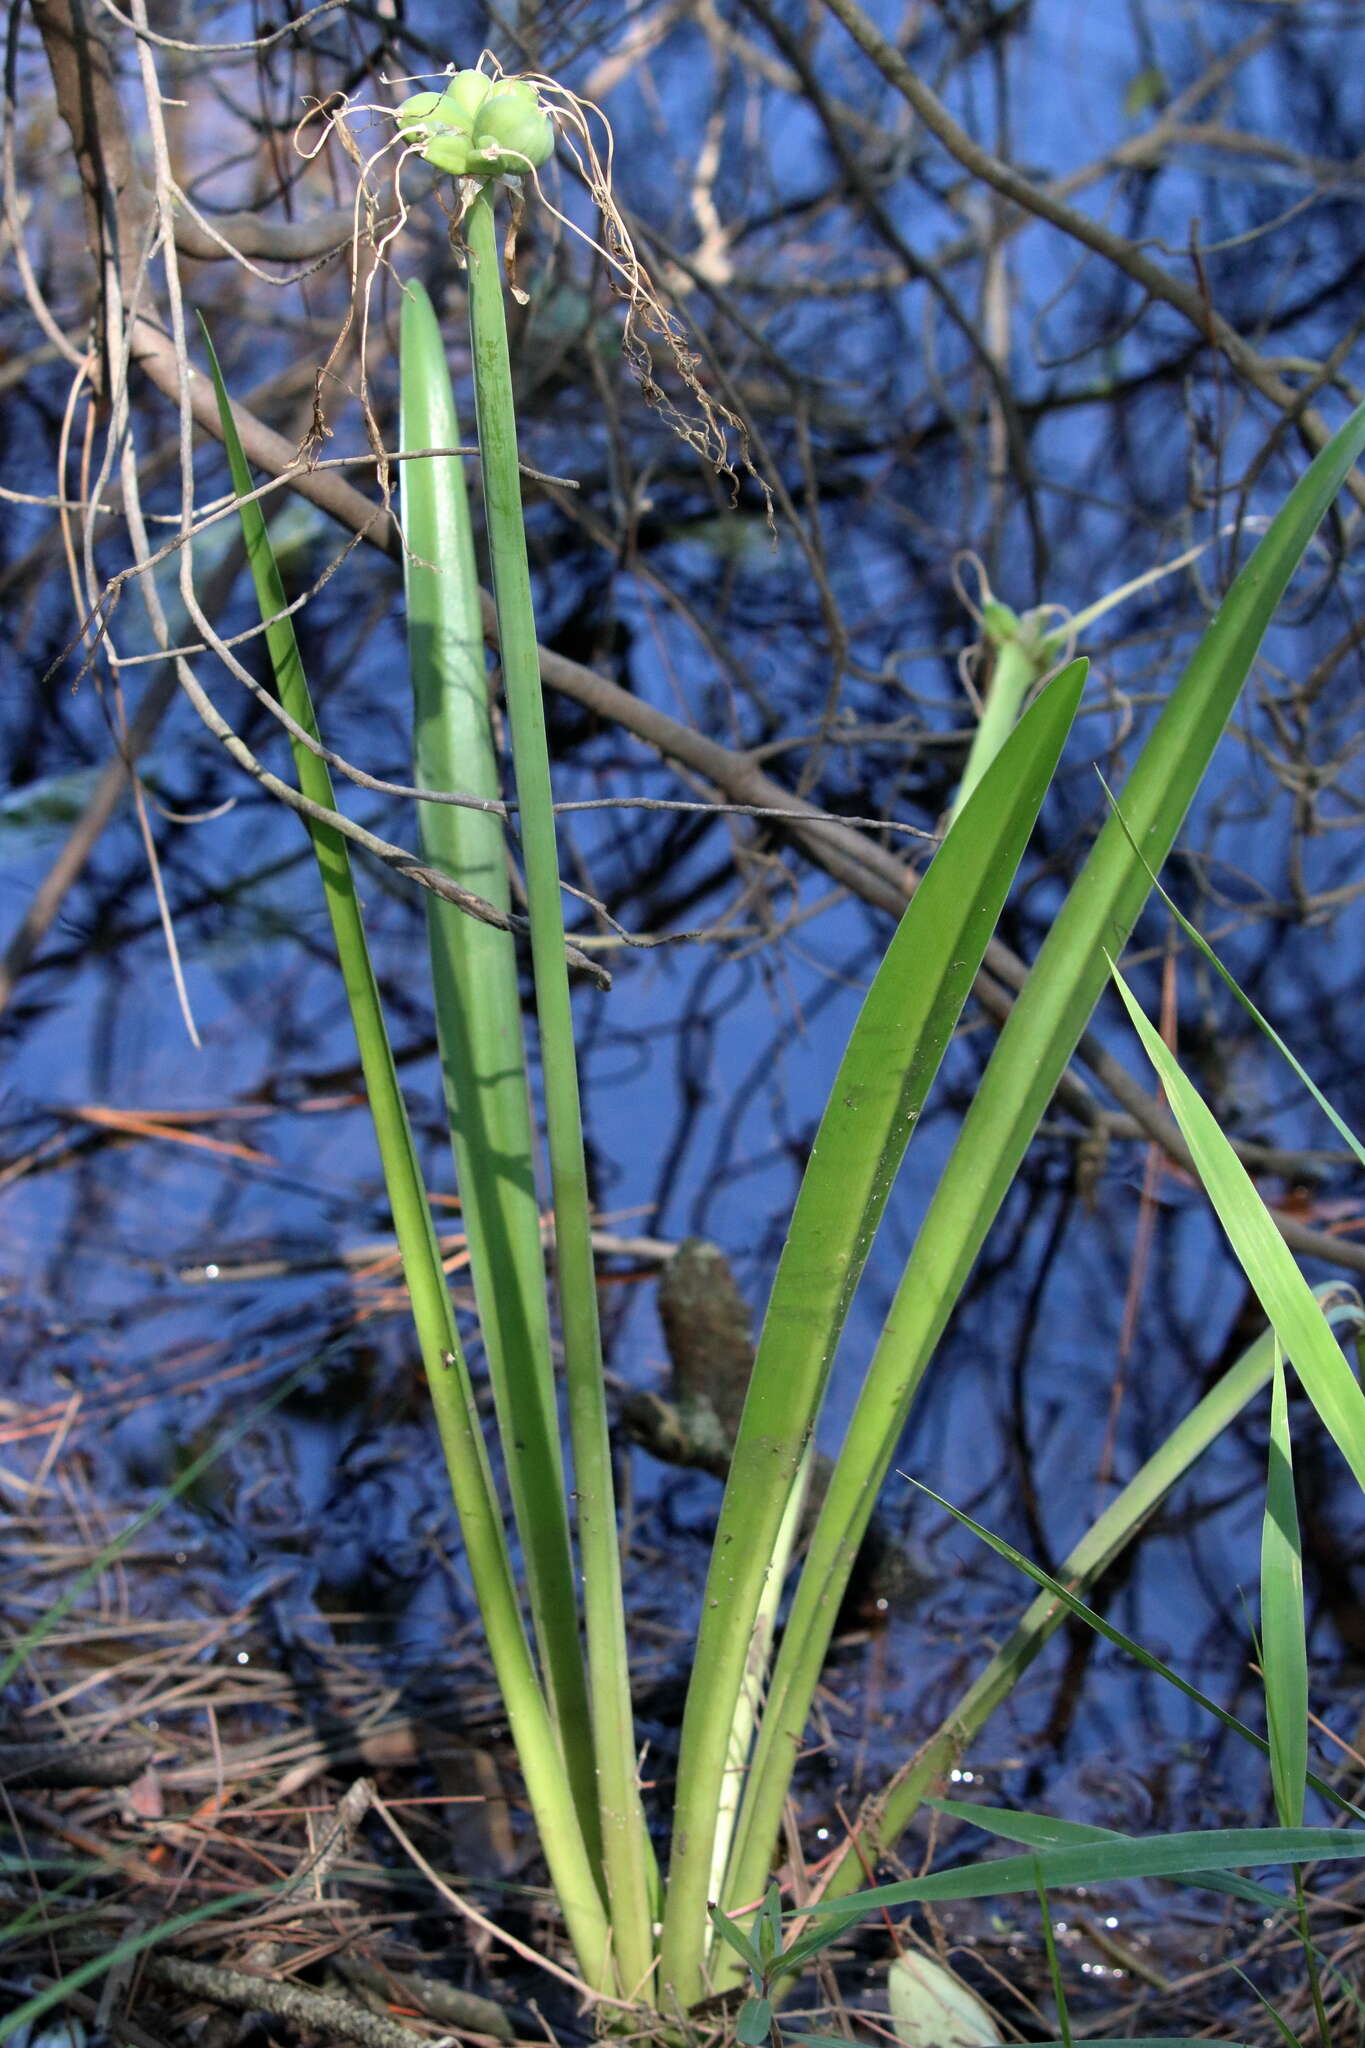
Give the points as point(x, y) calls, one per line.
point(646, 1251)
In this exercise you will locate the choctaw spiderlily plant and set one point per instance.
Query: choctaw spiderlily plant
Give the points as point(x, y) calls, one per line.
point(553, 1611)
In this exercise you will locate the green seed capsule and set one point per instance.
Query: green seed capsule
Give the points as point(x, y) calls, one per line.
point(480, 128)
point(453, 151)
point(467, 91)
point(418, 108)
point(511, 120)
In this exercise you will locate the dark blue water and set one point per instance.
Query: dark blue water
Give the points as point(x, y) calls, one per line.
point(706, 1066)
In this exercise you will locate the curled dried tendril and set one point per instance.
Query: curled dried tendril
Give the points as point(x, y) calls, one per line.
point(483, 125)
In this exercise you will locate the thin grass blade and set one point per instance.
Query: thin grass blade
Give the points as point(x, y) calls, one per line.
point(1130, 1648)
point(1282, 2026)
point(1263, 1024)
point(124, 1951)
point(1115, 1862)
point(1054, 1967)
point(187, 1477)
point(1262, 1253)
point(1046, 1831)
point(924, 1774)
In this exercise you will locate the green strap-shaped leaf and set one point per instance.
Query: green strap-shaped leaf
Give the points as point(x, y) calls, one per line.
point(894, 1051)
point(478, 1019)
point(1115, 1862)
